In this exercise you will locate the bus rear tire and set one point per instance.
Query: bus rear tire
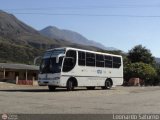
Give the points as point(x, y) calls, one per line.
point(108, 84)
point(51, 88)
point(70, 85)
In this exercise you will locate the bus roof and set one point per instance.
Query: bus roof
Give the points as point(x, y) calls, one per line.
point(84, 50)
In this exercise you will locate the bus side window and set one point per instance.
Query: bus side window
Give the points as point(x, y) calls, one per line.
point(69, 61)
point(81, 58)
point(99, 60)
point(90, 59)
point(116, 62)
point(108, 61)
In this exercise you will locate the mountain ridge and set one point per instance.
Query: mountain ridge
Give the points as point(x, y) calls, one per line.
point(71, 36)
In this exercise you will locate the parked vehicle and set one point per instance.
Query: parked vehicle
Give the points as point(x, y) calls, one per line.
point(71, 67)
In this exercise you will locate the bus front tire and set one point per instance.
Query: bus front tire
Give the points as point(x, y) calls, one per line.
point(51, 88)
point(70, 85)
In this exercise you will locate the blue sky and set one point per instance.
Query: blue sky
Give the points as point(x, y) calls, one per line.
point(114, 23)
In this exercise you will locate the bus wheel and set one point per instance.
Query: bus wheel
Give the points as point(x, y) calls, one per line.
point(108, 84)
point(90, 88)
point(51, 88)
point(70, 85)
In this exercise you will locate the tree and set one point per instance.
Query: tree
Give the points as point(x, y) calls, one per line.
point(141, 54)
point(157, 78)
point(140, 70)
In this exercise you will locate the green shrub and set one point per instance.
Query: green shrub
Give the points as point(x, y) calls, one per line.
point(140, 70)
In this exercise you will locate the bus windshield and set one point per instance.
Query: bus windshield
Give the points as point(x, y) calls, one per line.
point(52, 61)
point(49, 65)
point(53, 53)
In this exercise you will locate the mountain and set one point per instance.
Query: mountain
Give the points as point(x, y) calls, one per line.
point(21, 43)
point(18, 32)
point(71, 36)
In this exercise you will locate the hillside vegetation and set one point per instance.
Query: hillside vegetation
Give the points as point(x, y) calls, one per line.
point(21, 43)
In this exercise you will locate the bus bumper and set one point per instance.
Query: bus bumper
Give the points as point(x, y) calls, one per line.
point(48, 82)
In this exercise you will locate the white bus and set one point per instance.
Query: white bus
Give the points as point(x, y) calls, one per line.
point(71, 67)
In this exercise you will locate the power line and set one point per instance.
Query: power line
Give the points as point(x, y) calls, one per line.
point(93, 15)
point(87, 7)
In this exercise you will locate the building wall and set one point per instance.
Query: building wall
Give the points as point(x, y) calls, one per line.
point(11, 75)
point(1, 74)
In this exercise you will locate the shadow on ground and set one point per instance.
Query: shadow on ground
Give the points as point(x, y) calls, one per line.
point(46, 90)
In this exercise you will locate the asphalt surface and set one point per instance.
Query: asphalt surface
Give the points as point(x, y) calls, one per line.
point(38, 100)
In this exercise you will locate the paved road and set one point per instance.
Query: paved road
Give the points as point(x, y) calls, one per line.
point(28, 99)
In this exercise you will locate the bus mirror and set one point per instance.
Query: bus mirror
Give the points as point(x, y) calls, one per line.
point(57, 58)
